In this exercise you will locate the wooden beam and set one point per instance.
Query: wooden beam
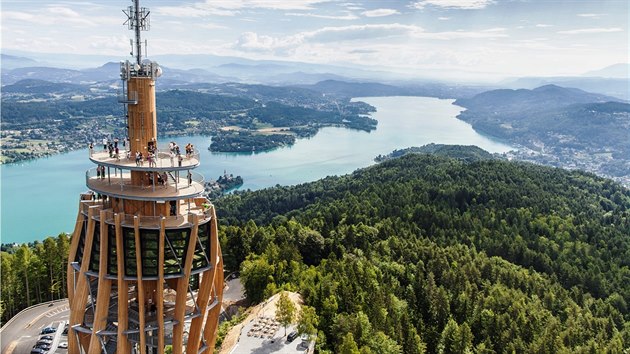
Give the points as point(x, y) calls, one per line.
point(182, 288)
point(139, 285)
point(210, 330)
point(123, 291)
point(203, 296)
point(104, 289)
point(160, 287)
point(72, 254)
point(77, 310)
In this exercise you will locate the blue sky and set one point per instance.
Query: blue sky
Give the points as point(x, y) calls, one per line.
point(494, 38)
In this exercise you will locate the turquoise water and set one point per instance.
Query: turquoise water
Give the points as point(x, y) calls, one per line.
point(40, 198)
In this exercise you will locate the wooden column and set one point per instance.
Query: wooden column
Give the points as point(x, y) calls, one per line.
point(160, 287)
point(210, 330)
point(104, 289)
point(203, 296)
point(182, 287)
point(72, 253)
point(77, 309)
point(123, 291)
point(139, 285)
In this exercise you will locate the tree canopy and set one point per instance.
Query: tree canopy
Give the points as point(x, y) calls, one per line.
point(432, 254)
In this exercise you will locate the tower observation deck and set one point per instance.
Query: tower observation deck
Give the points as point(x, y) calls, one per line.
point(144, 268)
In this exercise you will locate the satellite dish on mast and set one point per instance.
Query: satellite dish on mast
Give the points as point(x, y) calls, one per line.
point(157, 70)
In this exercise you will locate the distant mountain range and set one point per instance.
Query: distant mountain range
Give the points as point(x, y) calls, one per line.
point(506, 101)
point(612, 80)
point(616, 87)
point(13, 62)
point(619, 71)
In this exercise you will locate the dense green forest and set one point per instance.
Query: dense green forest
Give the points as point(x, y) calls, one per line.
point(468, 153)
point(432, 254)
point(33, 273)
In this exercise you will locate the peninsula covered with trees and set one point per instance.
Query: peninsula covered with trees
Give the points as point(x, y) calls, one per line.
point(41, 118)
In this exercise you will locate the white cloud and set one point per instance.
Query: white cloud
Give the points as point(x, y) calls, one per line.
point(211, 26)
point(347, 17)
point(453, 4)
point(250, 41)
point(543, 25)
point(18, 16)
point(495, 29)
point(233, 7)
point(443, 18)
point(63, 11)
point(357, 32)
point(353, 35)
point(454, 35)
point(590, 15)
point(56, 16)
point(192, 11)
point(380, 13)
point(591, 30)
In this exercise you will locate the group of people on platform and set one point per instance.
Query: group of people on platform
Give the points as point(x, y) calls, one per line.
point(162, 178)
point(152, 154)
point(100, 171)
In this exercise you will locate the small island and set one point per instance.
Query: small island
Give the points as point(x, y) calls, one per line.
point(223, 184)
point(276, 125)
point(247, 141)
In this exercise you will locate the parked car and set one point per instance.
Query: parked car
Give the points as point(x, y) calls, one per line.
point(291, 337)
point(45, 341)
point(38, 351)
point(49, 337)
point(49, 330)
point(44, 346)
point(63, 345)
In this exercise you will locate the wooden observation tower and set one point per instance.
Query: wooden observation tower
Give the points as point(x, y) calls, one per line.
point(145, 268)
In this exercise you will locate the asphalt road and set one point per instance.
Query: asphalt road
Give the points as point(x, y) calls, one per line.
point(233, 290)
point(20, 334)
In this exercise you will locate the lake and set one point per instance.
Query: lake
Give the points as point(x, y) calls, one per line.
point(40, 198)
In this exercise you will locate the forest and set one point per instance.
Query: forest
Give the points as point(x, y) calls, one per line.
point(33, 273)
point(427, 254)
point(421, 254)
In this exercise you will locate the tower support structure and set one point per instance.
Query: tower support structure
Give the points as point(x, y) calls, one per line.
point(145, 269)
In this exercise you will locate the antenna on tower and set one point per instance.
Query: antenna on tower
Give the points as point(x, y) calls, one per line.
point(137, 20)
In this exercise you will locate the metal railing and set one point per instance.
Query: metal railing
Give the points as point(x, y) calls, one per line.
point(95, 181)
point(162, 159)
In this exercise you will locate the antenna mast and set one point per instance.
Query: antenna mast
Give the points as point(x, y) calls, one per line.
point(137, 20)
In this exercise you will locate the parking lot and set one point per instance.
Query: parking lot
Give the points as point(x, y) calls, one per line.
point(20, 335)
point(254, 340)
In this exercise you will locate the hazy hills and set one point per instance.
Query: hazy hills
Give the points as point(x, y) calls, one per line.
point(557, 126)
point(506, 101)
point(613, 80)
point(548, 113)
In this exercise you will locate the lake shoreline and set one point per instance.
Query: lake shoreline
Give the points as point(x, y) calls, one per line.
point(30, 188)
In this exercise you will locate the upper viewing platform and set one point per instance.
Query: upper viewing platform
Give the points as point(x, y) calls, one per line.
point(161, 160)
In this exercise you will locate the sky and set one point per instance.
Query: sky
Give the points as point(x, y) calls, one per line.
point(497, 38)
